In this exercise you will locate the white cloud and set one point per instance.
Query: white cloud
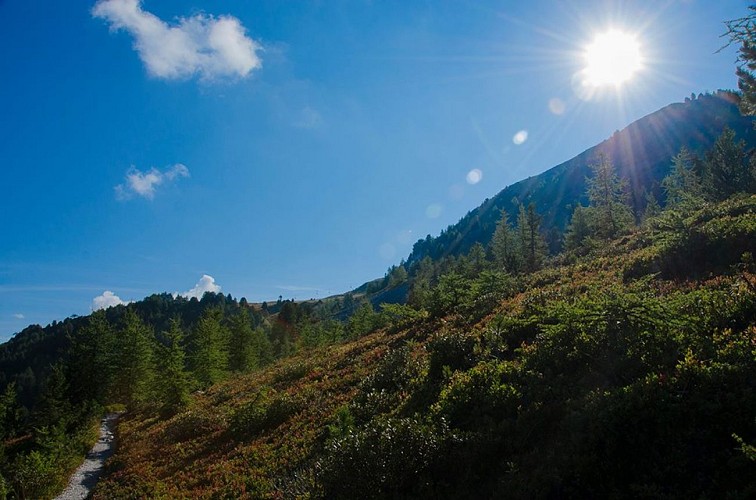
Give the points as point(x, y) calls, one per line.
point(19, 316)
point(107, 299)
point(205, 284)
point(144, 184)
point(205, 45)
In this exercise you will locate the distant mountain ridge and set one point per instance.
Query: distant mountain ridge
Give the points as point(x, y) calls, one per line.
point(641, 153)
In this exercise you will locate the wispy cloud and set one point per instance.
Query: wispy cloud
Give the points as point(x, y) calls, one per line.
point(205, 284)
point(107, 299)
point(205, 45)
point(309, 118)
point(144, 184)
point(19, 316)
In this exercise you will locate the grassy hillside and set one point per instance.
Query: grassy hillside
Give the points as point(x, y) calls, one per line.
point(629, 372)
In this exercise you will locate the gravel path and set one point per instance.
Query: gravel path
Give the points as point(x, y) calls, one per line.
point(85, 478)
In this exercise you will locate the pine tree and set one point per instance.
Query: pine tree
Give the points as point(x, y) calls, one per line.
point(609, 213)
point(652, 208)
point(743, 31)
point(683, 184)
point(174, 379)
point(504, 247)
point(420, 291)
point(210, 357)
point(578, 231)
point(727, 169)
point(242, 355)
point(53, 407)
point(92, 360)
point(475, 261)
point(532, 244)
point(134, 360)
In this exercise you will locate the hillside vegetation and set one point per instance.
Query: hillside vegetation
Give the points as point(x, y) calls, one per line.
point(623, 367)
point(612, 374)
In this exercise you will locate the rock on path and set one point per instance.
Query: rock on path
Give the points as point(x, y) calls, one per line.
point(85, 478)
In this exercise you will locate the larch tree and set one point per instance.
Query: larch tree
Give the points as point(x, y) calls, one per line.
point(609, 211)
point(727, 169)
point(504, 246)
point(134, 360)
point(174, 381)
point(242, 355)
point(578, 231)
point(532, 244)
point(743, 31)
point(210, 357)
point(683, 184)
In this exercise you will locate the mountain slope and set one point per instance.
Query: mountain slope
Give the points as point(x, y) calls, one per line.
point(577, 383)
point(641, 153)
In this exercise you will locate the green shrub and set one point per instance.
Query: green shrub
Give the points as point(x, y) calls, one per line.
point(37, 475)
point(194, 422)
point(387, 458)
point(266, 411)
point(478, 396)
point(450, 349)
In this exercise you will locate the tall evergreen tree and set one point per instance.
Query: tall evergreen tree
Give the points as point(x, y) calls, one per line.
point(134, 360)
point(727, 169)
point(652, 208)
point(532, 244)
point(683, 184)
point(504, 246)
point(422, 279)
point(578, 231)
point(210, 358)
point(242, 354)
point(53, 407)
point(90, 359)
point(609, 213)
point(174, 378)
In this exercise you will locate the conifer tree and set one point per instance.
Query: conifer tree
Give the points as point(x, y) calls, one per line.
point(578, 231)
point(727, 169)
point(53, 407)
point(475, 261)
point(242, 355)
point(683, 184)
point(174, 379)
point(92, 360)
point(134, 360)
point(743, 31)
point(504, 246)
point(609, 213)
point(532, 244)
point(420, 291)
point(652, 208)
point(210, 357)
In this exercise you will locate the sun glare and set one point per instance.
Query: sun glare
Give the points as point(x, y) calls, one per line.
point(612, 59)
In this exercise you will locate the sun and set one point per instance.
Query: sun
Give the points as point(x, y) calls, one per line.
point(612, 58)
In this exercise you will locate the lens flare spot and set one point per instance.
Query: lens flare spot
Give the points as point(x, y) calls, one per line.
point(520, 137)
point(557, 106)
point(433, 211)
point(474, 176)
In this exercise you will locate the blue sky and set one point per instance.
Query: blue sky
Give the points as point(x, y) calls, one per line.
point(293, 148)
